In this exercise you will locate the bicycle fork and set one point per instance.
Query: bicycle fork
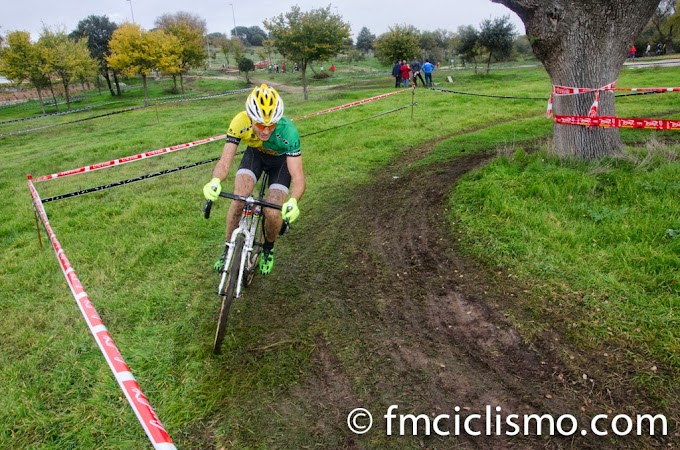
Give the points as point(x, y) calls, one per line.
point(248, 232)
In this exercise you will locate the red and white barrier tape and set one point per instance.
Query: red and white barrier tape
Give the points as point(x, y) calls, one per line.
point(619, 122)
point(145, 414)
point(127, 159)
point(565, 90)
point(140, 404)
point(349, 105)
point(162, 151)
point(609, 121)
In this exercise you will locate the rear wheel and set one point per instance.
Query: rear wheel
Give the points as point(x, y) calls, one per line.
point(230, 292)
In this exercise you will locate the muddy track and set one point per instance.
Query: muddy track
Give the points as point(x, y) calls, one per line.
point(437, 334)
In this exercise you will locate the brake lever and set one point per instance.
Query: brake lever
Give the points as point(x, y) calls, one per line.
point(206, 209)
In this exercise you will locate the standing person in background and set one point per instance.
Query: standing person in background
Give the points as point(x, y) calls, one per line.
point(396, 73)
point(405, 73)
point(428, 68)
point(332, 68)
point(415, 68)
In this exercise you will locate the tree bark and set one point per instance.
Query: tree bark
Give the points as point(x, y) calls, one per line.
point(303, 69)
point(108, 81)
point(583, 44)
point(115, 80)
point(66, 94)
point(54, 97)
point(42, 104)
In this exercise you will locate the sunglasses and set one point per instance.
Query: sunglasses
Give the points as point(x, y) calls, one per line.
point(262, 128)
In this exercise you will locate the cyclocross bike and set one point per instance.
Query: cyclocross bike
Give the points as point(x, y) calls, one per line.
point(241, 253)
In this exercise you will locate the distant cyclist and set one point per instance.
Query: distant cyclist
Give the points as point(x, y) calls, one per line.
point(273, 144)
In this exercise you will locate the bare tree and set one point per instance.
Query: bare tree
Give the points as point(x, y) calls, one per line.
point(583, 43)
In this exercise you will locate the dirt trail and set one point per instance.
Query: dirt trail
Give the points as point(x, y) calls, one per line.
point(437, 334)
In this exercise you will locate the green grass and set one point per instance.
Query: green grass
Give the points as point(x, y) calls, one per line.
point(143, 251)
point(597, 233)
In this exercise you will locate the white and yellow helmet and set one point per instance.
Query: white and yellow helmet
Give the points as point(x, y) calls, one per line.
point(264, 105)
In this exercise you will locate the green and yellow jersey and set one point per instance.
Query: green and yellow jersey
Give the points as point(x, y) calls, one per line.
point(284, 140)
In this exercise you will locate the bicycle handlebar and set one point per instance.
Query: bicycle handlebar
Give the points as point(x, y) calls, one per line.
point(251, 200)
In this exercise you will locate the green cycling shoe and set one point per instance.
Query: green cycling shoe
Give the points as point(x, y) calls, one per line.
point(219, 265)
point(267, 262)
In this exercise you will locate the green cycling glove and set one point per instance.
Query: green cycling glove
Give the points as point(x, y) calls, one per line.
point(290, 210)
point(211, 191)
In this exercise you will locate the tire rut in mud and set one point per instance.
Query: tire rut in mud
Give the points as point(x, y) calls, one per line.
point(435, 332)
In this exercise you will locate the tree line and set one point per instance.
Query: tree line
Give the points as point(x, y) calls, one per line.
point(179, 43)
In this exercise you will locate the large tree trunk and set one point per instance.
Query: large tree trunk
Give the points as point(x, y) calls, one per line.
point(583, 44)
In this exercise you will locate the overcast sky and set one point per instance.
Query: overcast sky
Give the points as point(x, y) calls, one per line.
point(220, 16)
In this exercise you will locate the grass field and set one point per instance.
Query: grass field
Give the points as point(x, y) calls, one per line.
point(599, 243)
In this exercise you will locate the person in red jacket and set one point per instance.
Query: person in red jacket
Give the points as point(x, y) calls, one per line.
point(405, 73)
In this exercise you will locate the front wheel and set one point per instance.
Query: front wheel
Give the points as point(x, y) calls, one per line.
point(253, 260)
point(230, 292)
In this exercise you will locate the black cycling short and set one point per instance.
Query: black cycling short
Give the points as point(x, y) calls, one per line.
point(255, 161)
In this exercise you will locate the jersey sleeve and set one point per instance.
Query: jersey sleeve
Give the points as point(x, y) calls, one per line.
point(237, 127)
point(292, 140)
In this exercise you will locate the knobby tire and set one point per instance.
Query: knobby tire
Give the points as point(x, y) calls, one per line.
point(254, 258)
point(230, 292)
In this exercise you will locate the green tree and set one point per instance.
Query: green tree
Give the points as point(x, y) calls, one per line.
point(256, 36)
point(97, 31)
point(250, 35)
point(306, 37)
point(365, 40)
point(188, 30)
point(400, 42)
point(434, 44)
point(660, 27)
point(580, 46)
point(21, 60)
point(468, 44)
point(496, 37)
point(138, 52)
point(219, 41)
point(68, 60)
point(237, 48)
point(674, 22)
point(246, 65)
point(522, 47)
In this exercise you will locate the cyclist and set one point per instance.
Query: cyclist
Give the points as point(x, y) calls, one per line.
point(273, 144)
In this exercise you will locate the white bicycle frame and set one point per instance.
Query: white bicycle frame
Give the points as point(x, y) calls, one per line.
point(247, 227)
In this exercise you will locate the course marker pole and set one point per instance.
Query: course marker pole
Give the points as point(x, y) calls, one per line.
point(35, 214)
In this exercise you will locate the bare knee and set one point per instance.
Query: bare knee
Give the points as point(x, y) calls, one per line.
point(243, 185)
